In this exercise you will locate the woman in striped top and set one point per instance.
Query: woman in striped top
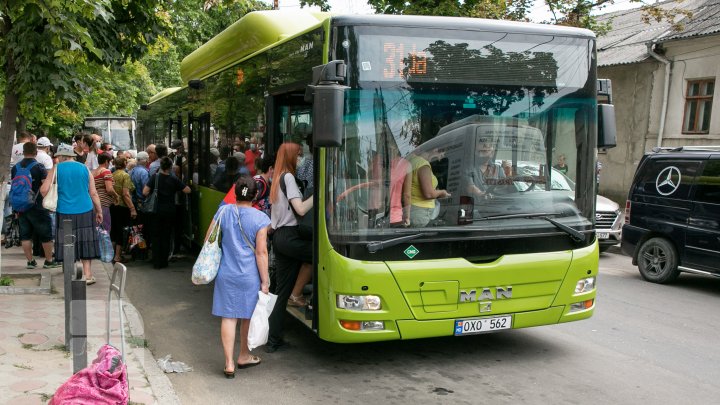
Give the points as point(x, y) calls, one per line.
point(105, 187)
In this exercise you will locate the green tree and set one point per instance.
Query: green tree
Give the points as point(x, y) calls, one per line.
point(576, 13)
point(193, 22)
point(51, 52)
point(495, 9)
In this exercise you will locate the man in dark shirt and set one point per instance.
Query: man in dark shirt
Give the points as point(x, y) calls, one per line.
point(36, 219)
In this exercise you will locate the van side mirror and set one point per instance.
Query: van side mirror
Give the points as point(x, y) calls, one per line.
point(607, 131)
point(328, 97)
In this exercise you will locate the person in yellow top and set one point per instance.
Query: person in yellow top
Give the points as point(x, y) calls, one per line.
point(123, 211)
point(422, 192)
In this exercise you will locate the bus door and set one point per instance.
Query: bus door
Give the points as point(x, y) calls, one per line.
point(289, 120)
point(199, 160)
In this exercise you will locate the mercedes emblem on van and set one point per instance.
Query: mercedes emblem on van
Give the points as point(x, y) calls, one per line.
point(668, 180)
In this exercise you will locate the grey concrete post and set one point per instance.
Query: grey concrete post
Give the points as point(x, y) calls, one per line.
point(75, 300)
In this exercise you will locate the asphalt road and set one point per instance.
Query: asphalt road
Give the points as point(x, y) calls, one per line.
point(646, 343)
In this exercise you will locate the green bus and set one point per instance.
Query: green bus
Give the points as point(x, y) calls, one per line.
point(380, 92)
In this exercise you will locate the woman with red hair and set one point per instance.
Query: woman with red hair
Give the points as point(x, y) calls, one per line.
point(293, 254)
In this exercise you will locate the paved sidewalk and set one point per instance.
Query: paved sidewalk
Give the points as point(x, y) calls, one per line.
point(33, 359)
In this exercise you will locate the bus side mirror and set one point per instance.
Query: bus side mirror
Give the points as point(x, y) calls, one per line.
point(328, 98)
point(607, 131)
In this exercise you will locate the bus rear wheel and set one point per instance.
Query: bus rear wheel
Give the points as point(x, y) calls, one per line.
point(658, 261)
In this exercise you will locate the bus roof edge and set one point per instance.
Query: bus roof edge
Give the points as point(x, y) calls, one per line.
point(253, 32)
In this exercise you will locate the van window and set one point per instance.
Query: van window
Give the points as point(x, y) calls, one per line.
point(667, 178)
point(708, 184)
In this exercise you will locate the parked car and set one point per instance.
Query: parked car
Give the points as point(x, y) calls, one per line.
point(672, 215)
point(609, 217)
point(609, 220)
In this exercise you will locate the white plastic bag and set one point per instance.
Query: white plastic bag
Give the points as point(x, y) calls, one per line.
point(259, 325)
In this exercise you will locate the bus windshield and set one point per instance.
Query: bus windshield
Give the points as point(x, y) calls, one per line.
point(117, 131)
point(450, 133)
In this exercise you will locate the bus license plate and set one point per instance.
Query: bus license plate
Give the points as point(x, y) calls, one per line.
point(603, 235)
point(482, 325)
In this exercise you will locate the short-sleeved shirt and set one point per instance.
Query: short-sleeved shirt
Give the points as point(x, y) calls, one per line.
point(44, 159)
point(281, 213)
point(16, 154)
point(139, 176)
point(122, 180)
point(416, 196)
point(478, 177)
point(154, 167)
point(250, 157)
point(105, 199)
point(91, 161)
point(80, 157)
point(38, 174)
point(168, 185)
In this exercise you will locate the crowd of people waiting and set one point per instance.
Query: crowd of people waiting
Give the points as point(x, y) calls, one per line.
point(95, 188)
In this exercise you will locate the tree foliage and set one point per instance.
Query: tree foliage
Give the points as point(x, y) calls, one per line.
point(53, 51)
point(576, 13)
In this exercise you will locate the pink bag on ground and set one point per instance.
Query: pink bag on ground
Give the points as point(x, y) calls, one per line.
point(102, 382)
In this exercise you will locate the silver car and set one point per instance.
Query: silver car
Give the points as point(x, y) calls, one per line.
point(609, 218)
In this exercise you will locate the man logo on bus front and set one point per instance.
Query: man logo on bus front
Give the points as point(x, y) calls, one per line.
point(486, 294)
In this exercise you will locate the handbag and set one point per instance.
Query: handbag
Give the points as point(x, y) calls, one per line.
point(150, 204)
point(207, 264)
point(106, 248)
point(259, 321)
point(305, 222)
point(50, 199)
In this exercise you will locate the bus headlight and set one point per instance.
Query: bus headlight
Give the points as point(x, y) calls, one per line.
point(584, 285)
point(359, 302)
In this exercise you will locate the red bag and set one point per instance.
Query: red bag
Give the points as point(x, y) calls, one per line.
point(103, 382)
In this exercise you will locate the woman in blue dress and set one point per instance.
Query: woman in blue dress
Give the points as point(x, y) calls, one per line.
point(243, 271)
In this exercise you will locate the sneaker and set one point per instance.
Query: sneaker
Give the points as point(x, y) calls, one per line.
point(90, 281)
point(31, 264)
point(51, 264)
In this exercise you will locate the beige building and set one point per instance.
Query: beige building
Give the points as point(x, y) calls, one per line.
point(663, 83)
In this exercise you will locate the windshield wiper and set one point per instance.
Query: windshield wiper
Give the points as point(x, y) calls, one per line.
point(377, 246)
point(576, 235)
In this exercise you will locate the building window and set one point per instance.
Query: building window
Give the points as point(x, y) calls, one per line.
point(698, 105)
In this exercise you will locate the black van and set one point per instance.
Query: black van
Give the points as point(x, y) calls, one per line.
point(672, 215)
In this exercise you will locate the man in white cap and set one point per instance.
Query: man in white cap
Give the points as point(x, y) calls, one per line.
point(43, 153)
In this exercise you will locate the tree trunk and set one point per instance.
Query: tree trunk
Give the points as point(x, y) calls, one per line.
point(9, 112)
point(7, 123)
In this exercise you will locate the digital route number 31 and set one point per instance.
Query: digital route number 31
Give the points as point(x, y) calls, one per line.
point(396, 60)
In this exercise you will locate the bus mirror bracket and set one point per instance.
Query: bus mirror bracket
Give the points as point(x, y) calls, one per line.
point(607, 131)
point(328, 97)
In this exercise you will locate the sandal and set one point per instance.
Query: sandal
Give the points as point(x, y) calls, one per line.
point(254, 361)
point(229, 374)
point(90, 281)
point(294, 301)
